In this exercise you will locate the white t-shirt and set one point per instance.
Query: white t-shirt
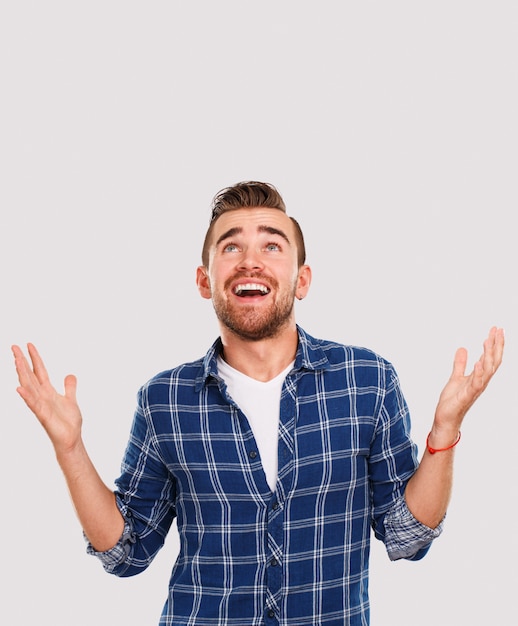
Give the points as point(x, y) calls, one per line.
point(260, 402)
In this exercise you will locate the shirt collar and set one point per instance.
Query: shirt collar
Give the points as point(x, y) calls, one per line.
point(309, 356)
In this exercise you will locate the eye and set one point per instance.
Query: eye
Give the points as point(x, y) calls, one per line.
point(230, 247)
point(272, 247)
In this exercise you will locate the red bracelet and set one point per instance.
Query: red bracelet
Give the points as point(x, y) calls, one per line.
point(434, 450)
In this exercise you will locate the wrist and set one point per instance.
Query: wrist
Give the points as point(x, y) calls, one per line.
point(441, 444)
point(71, 456)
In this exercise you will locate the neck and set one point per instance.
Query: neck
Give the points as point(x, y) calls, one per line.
point(264, 359)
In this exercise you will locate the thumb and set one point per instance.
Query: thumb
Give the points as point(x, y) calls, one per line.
point(70, 387)
point(460, 362)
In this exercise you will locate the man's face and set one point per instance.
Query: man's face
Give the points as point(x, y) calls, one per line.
point(253, 276)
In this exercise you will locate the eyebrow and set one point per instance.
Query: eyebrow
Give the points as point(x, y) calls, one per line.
point(237, 230)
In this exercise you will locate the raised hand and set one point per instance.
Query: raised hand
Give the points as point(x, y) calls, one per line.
point(59, 414)
point(462, 390)
point(428, 491)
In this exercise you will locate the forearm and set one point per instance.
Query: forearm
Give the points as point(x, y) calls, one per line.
point(428, 492)
point(94, 502)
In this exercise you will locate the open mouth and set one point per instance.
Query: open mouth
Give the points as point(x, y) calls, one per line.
point(247, 290)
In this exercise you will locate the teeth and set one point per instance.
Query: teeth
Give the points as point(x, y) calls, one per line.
point(251, 287)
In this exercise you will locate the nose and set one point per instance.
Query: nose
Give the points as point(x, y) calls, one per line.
point(250, 259)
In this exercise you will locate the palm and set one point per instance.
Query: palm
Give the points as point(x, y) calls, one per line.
point(58, 414)
point(462, 390)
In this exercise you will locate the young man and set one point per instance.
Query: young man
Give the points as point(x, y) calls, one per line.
point(276, 452)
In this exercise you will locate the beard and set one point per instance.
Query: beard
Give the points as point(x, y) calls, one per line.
point(251, 322)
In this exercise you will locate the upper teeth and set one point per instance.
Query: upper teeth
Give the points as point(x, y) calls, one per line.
point(251, 287)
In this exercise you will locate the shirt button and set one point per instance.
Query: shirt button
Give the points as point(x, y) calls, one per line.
point(252, 454)
point(271, 614)
point(275, 505)
point(274, 562)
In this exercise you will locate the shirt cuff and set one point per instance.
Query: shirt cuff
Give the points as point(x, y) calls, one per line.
point(114, 557)
point(404, 535)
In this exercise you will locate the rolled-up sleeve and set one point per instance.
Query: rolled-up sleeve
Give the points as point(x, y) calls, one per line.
point(405, 536)
point(393, 462)
point(115, 558)
point(145, 496)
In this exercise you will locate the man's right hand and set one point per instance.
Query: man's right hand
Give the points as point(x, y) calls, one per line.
point(58, 414)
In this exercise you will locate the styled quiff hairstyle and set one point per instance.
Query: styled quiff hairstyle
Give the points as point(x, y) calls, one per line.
point(249, 195)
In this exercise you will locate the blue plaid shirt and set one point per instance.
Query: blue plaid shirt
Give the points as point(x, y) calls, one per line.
point(250, 557)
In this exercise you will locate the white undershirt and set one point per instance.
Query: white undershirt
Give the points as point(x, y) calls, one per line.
point(260, 402)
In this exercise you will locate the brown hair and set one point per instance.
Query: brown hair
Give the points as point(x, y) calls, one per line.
point(249, 194)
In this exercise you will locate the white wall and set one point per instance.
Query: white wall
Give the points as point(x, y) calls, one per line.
point(391, 130)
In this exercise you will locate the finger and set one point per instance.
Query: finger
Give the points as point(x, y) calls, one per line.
point(37, 364)
point(499, 347)
point(479, 377)
point(25, 374)
point(70, 387)
point(490, 359)
point(493, 351)
point(459, 362)
point(487, 359)
point(19, 357)
point(28, 387)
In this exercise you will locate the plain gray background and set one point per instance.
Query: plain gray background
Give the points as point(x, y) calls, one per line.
point(391, 130)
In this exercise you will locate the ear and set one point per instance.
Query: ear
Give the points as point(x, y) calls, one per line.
point(303, 282)
point(203, 282)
